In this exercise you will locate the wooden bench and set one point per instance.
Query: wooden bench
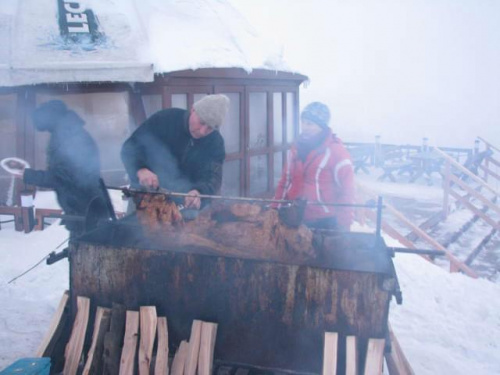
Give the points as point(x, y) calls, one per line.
point(17, 213)
point(42, 213)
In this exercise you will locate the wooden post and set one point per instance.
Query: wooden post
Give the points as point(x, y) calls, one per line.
point(351, 363)
point(330, 353)
point(374, 357)
point(75, 344)
point(397, 364)
point(94, 356)
point(446, 189)
point(161, 364)
point(179, 361)
point(148, 322)
point(127, 360)
point(113, 341)
point(207, 346)
point(55, 328)
point(487, 165)
point(194, 348)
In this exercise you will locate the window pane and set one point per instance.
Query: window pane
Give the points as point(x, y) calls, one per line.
point(197, 97)
point(278, 167)
point(179, 101)
point(152, 104)
point(258, 174)
point(231, 128)
point(290, 117)
point(258, 119)
point(107, 119)
point(7, 143)
point(278, 118)
point(231, 178)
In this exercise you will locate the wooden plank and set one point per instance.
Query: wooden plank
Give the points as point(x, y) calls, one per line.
point(480, 247)
point(113, 341)
point(93, 365)
point(475, 210)
point(475, 194)
point(56, 325)
point(397, 364)
point(488, 171)
point(374, 357)
point(207, 346)
point(161, 364)
point(127, 361)
point(387, 228)
point(330, 353)
point(453, 260)
point(194, 348)
point(148, 322)
point(466, 171)
point(77, 338)
point(351, 363)
point(488, 144)
point(179, 361)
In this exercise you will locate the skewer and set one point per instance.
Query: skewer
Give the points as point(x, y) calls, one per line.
point(163, 191)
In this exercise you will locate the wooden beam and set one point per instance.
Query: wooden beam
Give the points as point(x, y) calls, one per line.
point(207, 346)
point(466, 171)
point(148, 322)
point(194, 348)
point(161, 364)
point(391, 231)
point(374, 357)
point(75, 344)
point(113, 341)
point(453, 260)
point(475, 194)
point(55, 328)
point(93, 365)
point(475, 210)
point(488, 144)
point(179, 361)
point(488, 171)
point(351, 363)
point(479, 247)
point(330, 353)
point(397, 364)
point(127, 360)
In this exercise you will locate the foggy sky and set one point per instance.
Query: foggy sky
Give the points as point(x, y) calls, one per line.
point(401, 69)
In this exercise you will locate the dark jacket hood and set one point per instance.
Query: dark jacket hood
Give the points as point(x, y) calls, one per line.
point(53, 113)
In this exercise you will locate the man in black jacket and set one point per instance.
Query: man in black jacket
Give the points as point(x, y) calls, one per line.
point(73, 165)
point(180, 150)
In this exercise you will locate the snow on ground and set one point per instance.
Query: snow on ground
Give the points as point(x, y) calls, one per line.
point(28, 303)
point(448, 323)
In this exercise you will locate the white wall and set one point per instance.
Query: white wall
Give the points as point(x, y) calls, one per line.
point(401, 69)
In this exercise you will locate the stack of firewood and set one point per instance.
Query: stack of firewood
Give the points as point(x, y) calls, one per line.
point(123, 342)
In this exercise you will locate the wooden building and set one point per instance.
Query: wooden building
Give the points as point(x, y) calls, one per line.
point(114, 96)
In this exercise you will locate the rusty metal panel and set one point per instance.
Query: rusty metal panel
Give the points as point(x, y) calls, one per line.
point(270, 314)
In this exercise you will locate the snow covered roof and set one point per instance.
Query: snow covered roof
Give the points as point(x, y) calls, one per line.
point(52, 41)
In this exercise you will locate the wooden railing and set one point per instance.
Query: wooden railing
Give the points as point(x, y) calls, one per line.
point(491, 166)
point(455, 264)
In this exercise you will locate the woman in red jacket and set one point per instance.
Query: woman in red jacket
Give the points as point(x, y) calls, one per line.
point(319, 170)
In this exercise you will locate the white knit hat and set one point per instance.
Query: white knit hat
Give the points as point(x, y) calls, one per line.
point(212, 109)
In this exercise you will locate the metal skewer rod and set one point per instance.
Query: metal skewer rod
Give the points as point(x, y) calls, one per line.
point(163, 191)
